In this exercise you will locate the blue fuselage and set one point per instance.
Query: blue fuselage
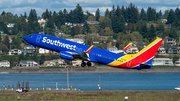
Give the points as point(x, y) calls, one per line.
point(59, 45)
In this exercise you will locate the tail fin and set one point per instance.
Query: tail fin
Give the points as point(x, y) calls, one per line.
point(146, 55)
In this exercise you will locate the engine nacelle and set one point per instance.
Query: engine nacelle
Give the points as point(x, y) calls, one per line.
point(66, 55)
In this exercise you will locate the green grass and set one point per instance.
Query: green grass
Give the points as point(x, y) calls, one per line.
point(51, 67)
point(90, 95)
point(10, 56)
point(166, 67)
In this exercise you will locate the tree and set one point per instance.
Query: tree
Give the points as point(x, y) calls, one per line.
point(171, 17)
point(113, 12)
point(54, 17)
point(97, 14)
point(33, 25)
point(107, 22)
point(107, 14)
point(3, 13)
point(16, 43)
point(86, 28)
point(42, 59)
point(173, 33)
point(118, 24)
point(32, 16)
point(0, 38)
point(25, 15)
point(124, 13)
point(6, 42)
point(161, 27)
point(152, 33)
point(132, 13)
point(102, 24)
point(118, 11)
point(79, 14)
point(15, 29)
point(160, 14)
point(177, 17)
point(143, 15)
point(91, 18)
point(34, 57)
point(3, 27)
point(157, 16)
point(102, 46)
point(21, 57)
point(139, 40)
point(61, 18)
point(166, 13)
point(108, 31)
point(101, 31)
point(88, 14)
point(50, 29)
point(175, 58)
point(75, 30)
point(144, 30)
point(4, 48)
point(46, 14)
point(151, 14)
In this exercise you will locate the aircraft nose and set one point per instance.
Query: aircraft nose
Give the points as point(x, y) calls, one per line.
point(26, 38)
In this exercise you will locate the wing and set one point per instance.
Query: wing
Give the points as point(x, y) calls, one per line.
point(123, 50)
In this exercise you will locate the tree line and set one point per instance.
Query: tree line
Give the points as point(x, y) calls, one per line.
point(123, 23)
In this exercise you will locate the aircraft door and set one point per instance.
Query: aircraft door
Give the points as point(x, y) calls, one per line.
point(38, 38)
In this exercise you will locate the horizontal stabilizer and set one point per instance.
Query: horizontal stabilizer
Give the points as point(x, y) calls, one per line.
point(118, 51)
point(145, 66)
point(125, 48)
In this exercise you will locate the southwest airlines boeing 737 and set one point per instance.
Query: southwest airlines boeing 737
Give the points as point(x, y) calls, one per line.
point(72, 50)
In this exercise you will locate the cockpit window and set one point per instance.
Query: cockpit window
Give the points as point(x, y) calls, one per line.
point(30, 36)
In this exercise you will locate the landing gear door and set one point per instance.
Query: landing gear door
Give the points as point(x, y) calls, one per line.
point(38, 38)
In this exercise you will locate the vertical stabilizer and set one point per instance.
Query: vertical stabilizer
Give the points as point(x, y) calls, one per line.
point(146, 55)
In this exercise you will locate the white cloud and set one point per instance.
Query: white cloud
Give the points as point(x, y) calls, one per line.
point(162, 2)
point(21, 6)
point(163, 8)
point(21, 10)
point(142, 1)
point(55, 2)
point(93, 9)
point(87, 2)
point(9, 3)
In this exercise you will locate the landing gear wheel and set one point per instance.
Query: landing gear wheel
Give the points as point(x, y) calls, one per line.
point(89, 63)
point(83, 64)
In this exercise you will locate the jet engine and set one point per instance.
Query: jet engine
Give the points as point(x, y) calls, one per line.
point(66, 55)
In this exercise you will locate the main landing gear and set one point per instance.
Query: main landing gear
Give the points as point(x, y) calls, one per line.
point(83, 64)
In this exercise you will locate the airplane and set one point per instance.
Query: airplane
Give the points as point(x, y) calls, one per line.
point(72, 50)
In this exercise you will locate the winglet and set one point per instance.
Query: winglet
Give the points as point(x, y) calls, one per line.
point(125, 48)
point(89, 49)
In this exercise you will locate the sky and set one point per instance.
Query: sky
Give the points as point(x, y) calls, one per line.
point(21, 6)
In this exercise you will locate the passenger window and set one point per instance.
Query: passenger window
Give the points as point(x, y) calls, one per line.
point(30, 36)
